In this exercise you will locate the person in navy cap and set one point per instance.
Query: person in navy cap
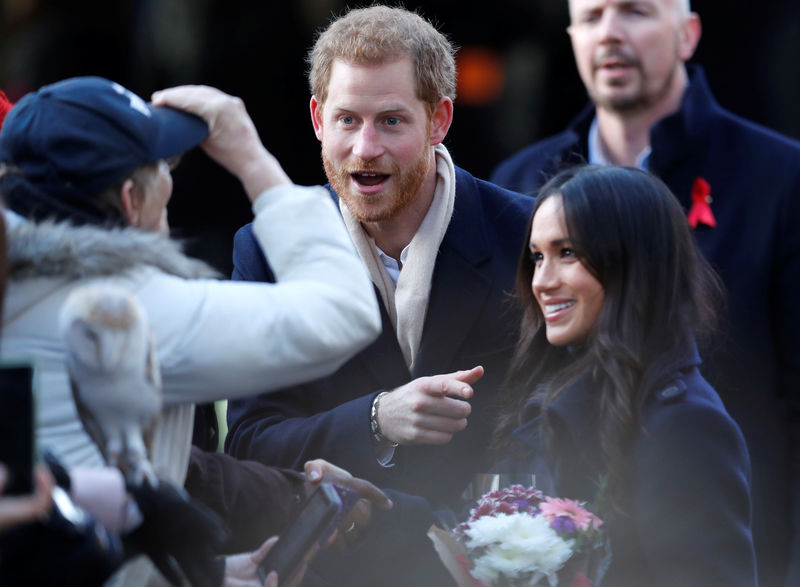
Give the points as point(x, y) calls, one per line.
point(85, 172)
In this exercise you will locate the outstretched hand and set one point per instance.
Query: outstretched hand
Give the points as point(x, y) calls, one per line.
point(241, 570)
point(428, 410)
point(232, 140)
point(320, 470)
point(359, 516)
point(18, 509)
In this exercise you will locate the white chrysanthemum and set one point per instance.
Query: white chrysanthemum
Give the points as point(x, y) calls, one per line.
point(516, 544)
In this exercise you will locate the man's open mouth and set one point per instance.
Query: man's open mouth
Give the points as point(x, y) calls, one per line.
point(369, 178)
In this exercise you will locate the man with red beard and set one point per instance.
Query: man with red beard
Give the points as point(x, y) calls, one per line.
point(740, 186)
point(415, 409)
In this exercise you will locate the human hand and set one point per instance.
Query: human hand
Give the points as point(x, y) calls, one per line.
point(181, 536)
point(77, 549)
point(428, 410)
point(359, 515)
point(320, 470)
point(232, 140)
point(19, 509)
point(241, 570)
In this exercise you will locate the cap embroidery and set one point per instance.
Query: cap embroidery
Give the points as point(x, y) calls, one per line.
point(135, 101)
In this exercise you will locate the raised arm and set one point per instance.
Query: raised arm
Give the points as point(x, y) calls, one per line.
point(232, 339)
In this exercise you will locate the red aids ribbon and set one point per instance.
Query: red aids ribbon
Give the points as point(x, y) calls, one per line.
point(5, 106)
point(701, 204)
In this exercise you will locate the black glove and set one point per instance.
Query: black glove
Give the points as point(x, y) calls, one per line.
point(69, 548)
point(181, 536)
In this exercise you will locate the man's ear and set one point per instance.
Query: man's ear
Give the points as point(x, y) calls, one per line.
point(131, 203)
point(441, 119)
point(316, 117)
point(691, 29)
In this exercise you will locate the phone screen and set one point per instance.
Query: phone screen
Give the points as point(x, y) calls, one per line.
point(312, 525)
point(16, 427)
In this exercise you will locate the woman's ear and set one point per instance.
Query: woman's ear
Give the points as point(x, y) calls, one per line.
point(131, 202)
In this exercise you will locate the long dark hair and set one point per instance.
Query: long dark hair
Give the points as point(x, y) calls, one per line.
point(631, 233)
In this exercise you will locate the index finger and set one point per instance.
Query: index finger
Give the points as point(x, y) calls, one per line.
point(368, 491)
point(469, 375)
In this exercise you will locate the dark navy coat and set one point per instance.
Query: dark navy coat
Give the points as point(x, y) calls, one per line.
point(754, 175)
point(470, 321)
point(687, 492)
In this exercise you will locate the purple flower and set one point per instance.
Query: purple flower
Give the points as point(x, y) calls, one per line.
point(563, 524)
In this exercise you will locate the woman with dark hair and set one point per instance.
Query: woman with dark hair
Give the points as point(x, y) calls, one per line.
point(604, 401)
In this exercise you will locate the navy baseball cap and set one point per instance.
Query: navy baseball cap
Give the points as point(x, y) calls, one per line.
point(80, 136)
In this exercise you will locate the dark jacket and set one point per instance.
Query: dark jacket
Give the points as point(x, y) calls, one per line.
point(754, 176)
point(686, 494)
point(470, 321)
point(254, 501)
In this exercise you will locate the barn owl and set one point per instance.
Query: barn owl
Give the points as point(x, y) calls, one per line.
point(114, 374)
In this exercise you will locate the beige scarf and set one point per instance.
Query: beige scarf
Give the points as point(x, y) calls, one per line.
point(407, 302)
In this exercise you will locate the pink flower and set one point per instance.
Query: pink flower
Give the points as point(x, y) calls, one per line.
point(554, 507)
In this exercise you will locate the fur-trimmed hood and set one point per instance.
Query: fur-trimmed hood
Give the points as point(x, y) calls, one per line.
point(59, 249)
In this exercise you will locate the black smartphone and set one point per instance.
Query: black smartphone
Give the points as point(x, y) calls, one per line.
point(16, 427)
point(314, 524)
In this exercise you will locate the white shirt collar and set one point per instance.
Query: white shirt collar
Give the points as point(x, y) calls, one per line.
point(392, 266)
point(597, 155)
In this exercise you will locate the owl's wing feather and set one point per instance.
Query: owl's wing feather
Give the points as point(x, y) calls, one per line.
point(88, 419)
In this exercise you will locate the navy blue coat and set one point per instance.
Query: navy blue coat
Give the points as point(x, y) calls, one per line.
point(754, 176)
point(687, 491)
point(470, 321)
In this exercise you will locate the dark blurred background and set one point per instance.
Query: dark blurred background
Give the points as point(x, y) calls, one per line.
point(517, 79)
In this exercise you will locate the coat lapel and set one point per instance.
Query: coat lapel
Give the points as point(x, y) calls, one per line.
point(383, 358)
point(460, 286)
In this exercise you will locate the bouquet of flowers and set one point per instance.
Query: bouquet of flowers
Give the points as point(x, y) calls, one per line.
point(518, 536)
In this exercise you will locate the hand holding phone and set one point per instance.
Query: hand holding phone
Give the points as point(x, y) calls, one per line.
point(309, 530)
point(16, 428)
point(22, 509)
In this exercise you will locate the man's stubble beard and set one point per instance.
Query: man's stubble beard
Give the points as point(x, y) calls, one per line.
point(401, 194)
point(643, 99)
